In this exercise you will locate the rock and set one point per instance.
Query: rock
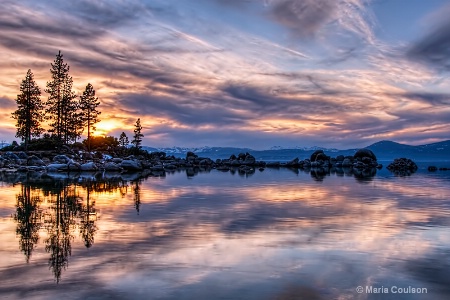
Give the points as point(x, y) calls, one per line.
point(346, 163)
point(235, 163)
point(22, 155)
point(35, 161)
point(22, 169)
point(89, 167)
point(232, 157)
point(205, 161)
point(11, 156)
point(191, 154)
point(249, 160)
point(61, 159)
point(318, 155)
point(241, 156)
point(86, 156)
point(111, 166)
point(340, 158)
point(402, 166)
point(361, 153)
point(57, 167)
point(131, 165)
point(116, 160)
point(293, 163)
point(306, 164)
point(218, 161)
point(73, 166)
point(170, 167)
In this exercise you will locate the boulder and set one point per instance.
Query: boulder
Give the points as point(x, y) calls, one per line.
point(11, 156)
point(432, 168)
point(191, 154)
point(346, 163)
point(361, 153)
point(293, 163)
point(402, 165)
point(249, 160)
point(35, 161)
point(57, 167)
point(340, 158)
point(318, 154)
point(61, 159)
point(89, 167)
point(22, 155)
point(131, 165)
point(111, 166)
point(73, 166)
point(116, 160)
point(206, 161)
point(235, 163)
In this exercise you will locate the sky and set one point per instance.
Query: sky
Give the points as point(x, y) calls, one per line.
point(242, 73)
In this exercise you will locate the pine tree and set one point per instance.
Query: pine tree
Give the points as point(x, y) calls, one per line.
point(29, 113)
point(61, 104)
point(123, 140)
point(137, 139)
point(89, 114)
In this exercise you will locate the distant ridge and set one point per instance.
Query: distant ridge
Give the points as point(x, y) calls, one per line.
point(384, 150)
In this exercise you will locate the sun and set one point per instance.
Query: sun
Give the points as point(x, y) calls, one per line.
point(104, 127)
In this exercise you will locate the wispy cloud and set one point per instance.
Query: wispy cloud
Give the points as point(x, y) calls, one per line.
point(434, 47)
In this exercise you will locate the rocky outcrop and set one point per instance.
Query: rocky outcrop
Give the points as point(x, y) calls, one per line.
point(364, 159)
point(402, 166)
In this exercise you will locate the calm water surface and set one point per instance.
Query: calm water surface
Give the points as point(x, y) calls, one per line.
point(276, 234)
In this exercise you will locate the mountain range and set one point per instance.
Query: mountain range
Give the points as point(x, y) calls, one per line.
point(384, 150)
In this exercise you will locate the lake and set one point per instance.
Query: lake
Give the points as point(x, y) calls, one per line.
point(273, 234)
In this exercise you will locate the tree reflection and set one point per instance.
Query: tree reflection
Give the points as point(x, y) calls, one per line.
point(28, 218)
point(88, 218)
point(137, 195)
point(61, 222)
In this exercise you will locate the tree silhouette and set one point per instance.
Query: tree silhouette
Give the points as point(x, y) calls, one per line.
point(89, 112)
point(137, 139)
point(61, 105)
point(28, 218)
point(29, 113)
point(123, 140)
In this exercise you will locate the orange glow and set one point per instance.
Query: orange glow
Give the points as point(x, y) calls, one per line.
point(106, 126)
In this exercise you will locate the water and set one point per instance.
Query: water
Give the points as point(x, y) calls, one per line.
point(276, 234)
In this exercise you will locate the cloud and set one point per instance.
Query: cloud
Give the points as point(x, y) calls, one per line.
point(303, 18)
point(434, 48)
